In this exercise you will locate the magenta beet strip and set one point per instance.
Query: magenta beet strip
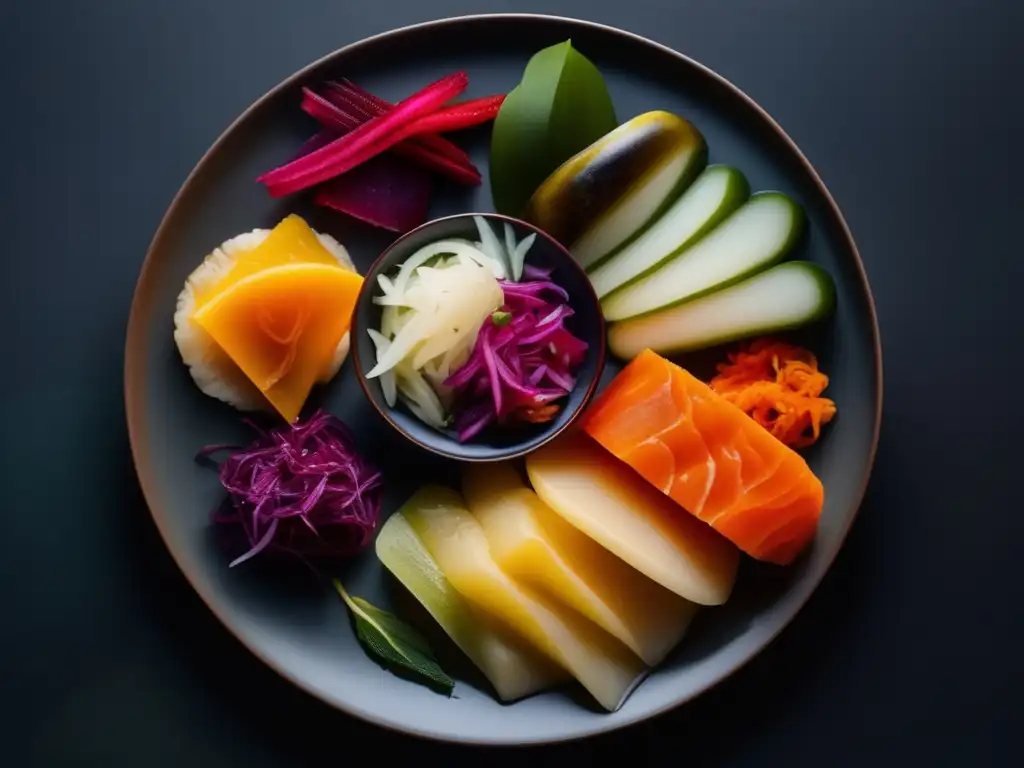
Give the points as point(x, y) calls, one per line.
point(337, 157)
point(331, 115)
point(363, 103)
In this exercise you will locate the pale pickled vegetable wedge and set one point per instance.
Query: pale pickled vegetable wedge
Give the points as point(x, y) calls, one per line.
point(605, 667)
point(537, 547)
point(620, 510)
point(786, 296)
point(715, 194)
point(514, 670)
point(756, 235)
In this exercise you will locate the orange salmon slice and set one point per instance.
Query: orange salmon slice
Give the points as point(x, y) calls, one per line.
point(709, 457)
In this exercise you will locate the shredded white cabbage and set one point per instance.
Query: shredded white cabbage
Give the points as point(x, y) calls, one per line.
point(450, 247)
point(490, 245)
point(387, 379)
point(385, 284)
point(420, 397)
point(431, 315)
point(510, 244)
point(518, 255)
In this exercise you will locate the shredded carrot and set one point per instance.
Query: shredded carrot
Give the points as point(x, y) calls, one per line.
point(779, 386)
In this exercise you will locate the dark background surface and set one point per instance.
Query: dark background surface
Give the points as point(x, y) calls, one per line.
point(910, 648)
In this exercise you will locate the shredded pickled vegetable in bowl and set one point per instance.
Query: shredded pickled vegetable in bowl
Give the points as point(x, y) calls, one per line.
point(471, 335)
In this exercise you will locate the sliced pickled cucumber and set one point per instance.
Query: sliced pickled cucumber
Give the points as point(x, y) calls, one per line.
point(605, 196)
point(755, 236)
point(715, 194)
point(786, 296)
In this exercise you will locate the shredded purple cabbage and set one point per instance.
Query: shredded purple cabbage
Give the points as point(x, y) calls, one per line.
point(300, 488)
point(531, 272)
point(520, 368)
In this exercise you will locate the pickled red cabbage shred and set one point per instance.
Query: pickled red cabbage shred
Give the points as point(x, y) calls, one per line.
point(301, 488)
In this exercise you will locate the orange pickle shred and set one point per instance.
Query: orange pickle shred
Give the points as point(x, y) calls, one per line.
point(779, 386)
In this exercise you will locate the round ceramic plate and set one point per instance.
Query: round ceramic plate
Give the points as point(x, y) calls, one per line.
point(293, 620)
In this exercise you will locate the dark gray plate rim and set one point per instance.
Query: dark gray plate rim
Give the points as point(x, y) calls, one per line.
point(136, 346)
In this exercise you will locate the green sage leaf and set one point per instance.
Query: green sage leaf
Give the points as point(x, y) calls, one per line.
point(395, 645)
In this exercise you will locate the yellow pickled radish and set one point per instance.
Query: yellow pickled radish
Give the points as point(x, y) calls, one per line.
point(281, 325)
point(605, 667)
point(514, 669)
point(292, 241)
point(608, 501)
point(534, 545)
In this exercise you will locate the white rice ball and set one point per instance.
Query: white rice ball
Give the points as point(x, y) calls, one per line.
point(212, 370)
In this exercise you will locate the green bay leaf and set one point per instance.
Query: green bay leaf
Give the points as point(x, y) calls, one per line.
point(394, 644)
point(560, 107)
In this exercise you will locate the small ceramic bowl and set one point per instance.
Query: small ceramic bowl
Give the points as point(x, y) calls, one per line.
point(495, 443)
